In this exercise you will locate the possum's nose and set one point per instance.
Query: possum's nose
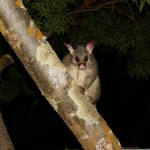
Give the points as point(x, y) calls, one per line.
point(81, 66)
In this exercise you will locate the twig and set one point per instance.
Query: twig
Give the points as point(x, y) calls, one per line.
point(132, 16)
point(96, 9)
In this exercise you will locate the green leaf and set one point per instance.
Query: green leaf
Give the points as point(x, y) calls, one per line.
point(136, 2)
point(148, 2)
point(142, 3)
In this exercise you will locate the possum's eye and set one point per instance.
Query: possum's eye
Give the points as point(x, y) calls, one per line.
point(85, 58)
point(77, 59)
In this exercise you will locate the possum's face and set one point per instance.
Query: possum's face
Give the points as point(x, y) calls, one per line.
point(82, 55)
point(81, 58)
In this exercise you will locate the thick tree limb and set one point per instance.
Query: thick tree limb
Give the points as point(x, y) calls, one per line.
point(52, 78)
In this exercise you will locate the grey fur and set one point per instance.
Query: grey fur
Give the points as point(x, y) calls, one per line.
point(87, 78)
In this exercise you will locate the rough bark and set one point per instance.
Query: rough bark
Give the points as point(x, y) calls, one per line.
point(52, 78)
point(5, 141)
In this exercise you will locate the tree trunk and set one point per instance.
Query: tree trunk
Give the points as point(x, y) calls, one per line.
point(5, 141)
point(52, 78)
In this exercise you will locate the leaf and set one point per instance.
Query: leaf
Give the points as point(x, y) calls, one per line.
point(136, 3)
point(133, 1)
point(148, 2)
point(142, 3)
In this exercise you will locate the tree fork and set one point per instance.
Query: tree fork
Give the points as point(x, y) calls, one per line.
point(52, 78)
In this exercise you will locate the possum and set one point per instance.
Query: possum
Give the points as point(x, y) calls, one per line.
point(82, 67)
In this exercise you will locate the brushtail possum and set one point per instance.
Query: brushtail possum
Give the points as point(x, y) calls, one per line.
point(82, 67)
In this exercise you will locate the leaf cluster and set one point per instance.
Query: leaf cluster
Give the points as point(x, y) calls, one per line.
point(141, 3)
point(49, 15)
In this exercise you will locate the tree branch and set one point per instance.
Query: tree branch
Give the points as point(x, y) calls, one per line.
point(97, 8)
point(107, 5)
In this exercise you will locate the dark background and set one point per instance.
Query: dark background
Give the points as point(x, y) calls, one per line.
point(124, 104)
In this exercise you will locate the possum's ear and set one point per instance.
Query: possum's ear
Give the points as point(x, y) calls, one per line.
point(90, 46)
point(70, 48)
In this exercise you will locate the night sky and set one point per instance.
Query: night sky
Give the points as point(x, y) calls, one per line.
point(124, 104)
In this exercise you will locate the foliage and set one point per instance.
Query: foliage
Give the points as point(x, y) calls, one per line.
point(141, 4)
point(50, 15)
